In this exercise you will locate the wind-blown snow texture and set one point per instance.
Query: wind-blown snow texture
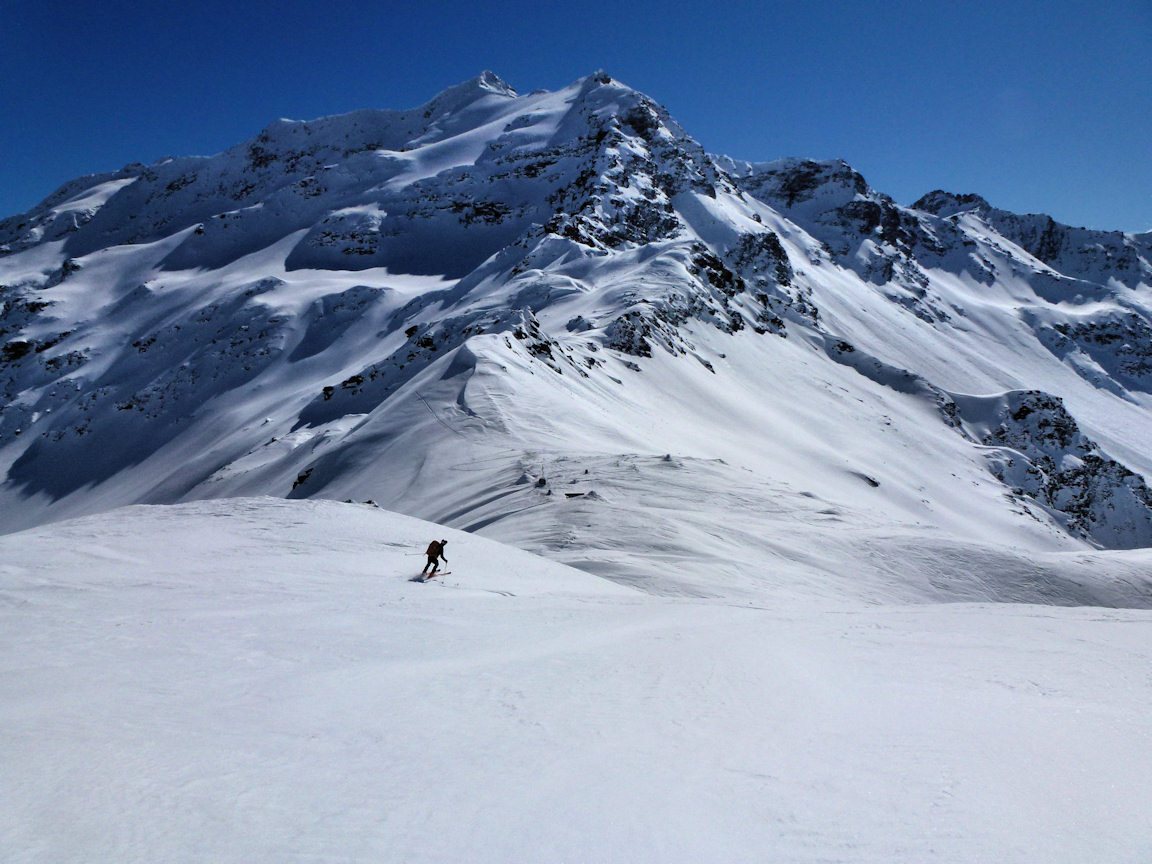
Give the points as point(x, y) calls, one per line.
point(717, 388)
point(257, 680)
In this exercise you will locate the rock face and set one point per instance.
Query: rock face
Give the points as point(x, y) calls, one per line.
point(235, 323)
point(1038, 451)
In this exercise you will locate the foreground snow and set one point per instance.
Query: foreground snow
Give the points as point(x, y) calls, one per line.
point(257, 680)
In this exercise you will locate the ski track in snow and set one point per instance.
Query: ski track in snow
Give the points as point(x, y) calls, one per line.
point(257, 680)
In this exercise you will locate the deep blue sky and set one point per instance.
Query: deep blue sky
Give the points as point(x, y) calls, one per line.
point(1038, 106)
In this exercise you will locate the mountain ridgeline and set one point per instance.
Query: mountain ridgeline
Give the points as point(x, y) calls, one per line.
point(447, 309)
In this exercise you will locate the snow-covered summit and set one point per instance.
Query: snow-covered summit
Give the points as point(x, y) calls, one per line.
point(487, 82)
point(945, 204)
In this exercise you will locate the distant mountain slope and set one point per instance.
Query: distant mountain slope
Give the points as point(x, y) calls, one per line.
point(1095, 256)
point(443, 308)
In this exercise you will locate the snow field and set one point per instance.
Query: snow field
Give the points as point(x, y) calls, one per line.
point(257, 679)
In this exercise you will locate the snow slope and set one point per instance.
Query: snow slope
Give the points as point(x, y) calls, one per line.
point(257, 680)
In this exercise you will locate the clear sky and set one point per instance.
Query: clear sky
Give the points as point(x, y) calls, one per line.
point(1038, 106)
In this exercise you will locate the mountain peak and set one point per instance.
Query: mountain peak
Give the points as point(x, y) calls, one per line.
point(493, 83)
point(485, 85)
point(946, 204)
point(598, 80)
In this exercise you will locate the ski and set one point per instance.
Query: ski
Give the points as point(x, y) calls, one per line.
point(425, 577)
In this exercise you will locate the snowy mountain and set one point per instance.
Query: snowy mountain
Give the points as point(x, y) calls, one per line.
point(787, 523)
point(554, 319)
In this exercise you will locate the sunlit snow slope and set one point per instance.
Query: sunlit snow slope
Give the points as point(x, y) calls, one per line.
point(257, 680)
point(554, 320)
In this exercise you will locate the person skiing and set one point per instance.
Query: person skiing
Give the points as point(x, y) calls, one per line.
point(435, 552)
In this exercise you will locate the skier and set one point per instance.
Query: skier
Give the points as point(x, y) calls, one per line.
point(435, 551)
